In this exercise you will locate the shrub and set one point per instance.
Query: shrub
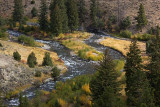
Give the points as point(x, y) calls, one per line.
point(32, 60)
point(26, 40)
point(34, 12)
point(47, 61)
point(144, 37)
point(1, 45)
point(125, 23)
point(38, 74)
point(32, 2)
point(3, 34)
point(17, 56)
point(55, 72)
point(126, 34)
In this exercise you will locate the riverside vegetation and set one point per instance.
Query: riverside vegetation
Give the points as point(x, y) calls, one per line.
point(137, 85)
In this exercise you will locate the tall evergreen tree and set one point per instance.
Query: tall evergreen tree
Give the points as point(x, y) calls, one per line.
point(141, 19)
point(64, 17)
point(138, 90)
point(18, 11)
point(93, 12)
point(154, 68)
point(56, 20)
point(105, 80)
point(82, 11)
point(72, 10)
point(43, 20)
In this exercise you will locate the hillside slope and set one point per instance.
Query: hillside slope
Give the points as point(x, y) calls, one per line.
point(120, 8)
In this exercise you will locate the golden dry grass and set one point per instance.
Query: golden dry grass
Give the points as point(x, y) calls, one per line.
point(74, 41)
point(10, 47)
point(121, 45)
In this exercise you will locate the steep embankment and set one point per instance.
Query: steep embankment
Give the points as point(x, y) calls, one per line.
point(17, 75)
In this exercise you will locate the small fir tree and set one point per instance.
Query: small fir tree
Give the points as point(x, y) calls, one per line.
point(141, 19)
point(17, 56)
point(34, 12)
point(47, 61)
point(32, 60)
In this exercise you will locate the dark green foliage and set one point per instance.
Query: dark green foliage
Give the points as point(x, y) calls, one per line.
point(72, 11)
point(138, 89)
point(34, 12)
point(125, 23)
point(47, 60)
point(3, 21)
point(43, 20)
point(55, 72)
point(17, 56)
point(141, 19)
point(93, 13)
point(32, 2)
point(109, 99)
point(64, 17)
point(1, 45)
point(32, 60)
point(56, 20)
point(23, 101)
point(126, 34)
point(3, 34)
point(38, 74)
point(105, 78)
point(113, 19)
point(18, 11)
point(26, 40)
point(154, 68)
point(37, 102)
point(82, 11)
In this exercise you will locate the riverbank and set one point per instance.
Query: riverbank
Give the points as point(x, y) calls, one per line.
point(121, 45)
point(75, 42)
point(17, 76)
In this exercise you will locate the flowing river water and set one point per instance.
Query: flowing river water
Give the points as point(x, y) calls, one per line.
point(76, 66)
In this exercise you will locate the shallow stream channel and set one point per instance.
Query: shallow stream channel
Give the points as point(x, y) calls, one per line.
point(76, 66)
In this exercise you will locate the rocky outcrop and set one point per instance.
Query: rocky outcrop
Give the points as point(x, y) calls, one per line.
point(13, 74)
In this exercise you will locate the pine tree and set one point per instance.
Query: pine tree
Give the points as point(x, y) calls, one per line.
point(105, 78)
point(64, 17)
point(138, 90)
point(56, 20)
point(82, 11)
point(21, 100)
point(73, 18)
point(43, 20)
point(34, 12)
point(93, 13)
point(18, 11)
point(141, 19)
point(17, 56)
point(47, 61)
point(32, 60)
point(154, 68)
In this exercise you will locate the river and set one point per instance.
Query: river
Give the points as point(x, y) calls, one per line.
point(76, 66)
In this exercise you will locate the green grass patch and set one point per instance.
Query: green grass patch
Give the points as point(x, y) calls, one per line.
point(29, 41)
